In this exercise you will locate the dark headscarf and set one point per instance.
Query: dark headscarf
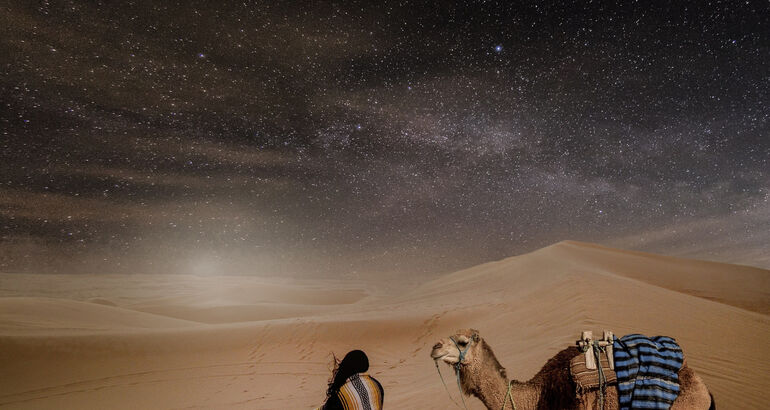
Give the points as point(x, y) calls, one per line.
point(353, 362)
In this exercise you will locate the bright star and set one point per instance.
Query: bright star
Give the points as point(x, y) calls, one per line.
point(498, 48)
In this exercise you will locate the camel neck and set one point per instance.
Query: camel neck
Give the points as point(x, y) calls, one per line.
point(485, 378)
point(524, 395)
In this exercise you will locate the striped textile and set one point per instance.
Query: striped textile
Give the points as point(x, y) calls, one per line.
point(361, 392)
point(647, 371)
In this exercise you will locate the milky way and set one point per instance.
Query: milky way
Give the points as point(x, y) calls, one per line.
point(343, 138)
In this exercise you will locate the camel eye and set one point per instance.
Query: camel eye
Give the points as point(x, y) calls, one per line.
point(462, 342)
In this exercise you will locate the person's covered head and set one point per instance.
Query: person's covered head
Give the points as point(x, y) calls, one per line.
point(353, 362)
point(356, 361)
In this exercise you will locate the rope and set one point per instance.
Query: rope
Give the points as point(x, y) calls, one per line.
point(461, 356)
point(509, 395)
point(445, 387)
point(598, 350)
point(457, 372)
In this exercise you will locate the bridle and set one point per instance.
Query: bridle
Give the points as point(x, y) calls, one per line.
point(457, 367)
point(462, 353)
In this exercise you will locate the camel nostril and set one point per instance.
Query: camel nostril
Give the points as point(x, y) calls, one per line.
point(437, 346)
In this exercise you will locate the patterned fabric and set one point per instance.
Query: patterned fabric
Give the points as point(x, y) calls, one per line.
point(588, 379)
point(361, 392)
point(647, 371)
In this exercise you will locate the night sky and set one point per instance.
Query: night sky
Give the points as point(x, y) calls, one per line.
point(344, 139)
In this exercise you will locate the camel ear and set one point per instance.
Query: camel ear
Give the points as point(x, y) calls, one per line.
point(503, 373)
point(475, 336)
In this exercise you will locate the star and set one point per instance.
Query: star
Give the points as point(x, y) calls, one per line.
point(428, 137)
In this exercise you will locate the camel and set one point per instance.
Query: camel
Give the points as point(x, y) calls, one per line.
point(481, 375)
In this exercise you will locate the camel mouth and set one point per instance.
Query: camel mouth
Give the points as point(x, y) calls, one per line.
point(445, 352)
point(437, 356)
point(445, 357)
point(450, 359)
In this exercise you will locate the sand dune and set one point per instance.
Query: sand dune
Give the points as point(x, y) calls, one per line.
point(239, 342)
point(25, 315)
point(742, 286)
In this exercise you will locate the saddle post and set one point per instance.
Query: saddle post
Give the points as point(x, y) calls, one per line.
point(609, 338)
point(586, 342)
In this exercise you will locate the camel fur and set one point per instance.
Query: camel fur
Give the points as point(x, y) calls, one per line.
point(482, 376)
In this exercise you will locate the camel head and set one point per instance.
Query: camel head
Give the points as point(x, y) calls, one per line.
point(465, 343)
point(473, 360)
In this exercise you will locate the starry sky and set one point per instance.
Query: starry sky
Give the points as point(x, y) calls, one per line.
point(346, 139)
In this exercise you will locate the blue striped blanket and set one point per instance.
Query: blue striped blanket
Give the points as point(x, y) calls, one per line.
point(647, 370)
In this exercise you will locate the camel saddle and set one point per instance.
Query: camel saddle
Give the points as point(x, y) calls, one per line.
point(583, 368)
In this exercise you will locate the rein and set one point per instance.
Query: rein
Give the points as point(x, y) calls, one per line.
point(446, 388)
point(598, 349)
point(457, 366)
point(602, 378)
point(509, 395)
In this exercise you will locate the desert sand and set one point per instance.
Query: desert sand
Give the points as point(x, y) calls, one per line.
point(186, 342)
